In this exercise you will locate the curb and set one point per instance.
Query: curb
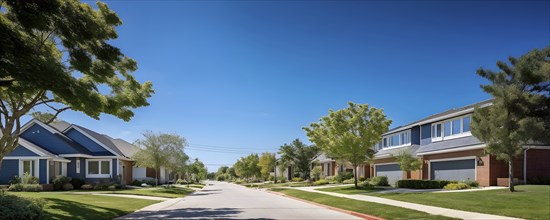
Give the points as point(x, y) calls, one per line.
point(356, 214)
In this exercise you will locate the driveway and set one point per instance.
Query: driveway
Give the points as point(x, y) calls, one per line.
point(222, 200)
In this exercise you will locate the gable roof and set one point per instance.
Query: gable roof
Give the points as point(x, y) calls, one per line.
point(442, 115)
point(127, 149)
point(34, 148)
point(98, 138)
point(59, 134)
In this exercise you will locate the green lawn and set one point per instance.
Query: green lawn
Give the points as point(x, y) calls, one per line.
point(174, 192)
point(530, 202)
point(375, 209)
point(74, 206)
point(348, 190)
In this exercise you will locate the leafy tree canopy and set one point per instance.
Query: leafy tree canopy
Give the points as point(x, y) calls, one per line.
point(520, 112)
point(58, 54)
point(266, 164)
point(350, 133)
point(298, 155)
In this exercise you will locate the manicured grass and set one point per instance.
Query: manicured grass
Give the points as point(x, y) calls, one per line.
point(530, 201)
point(349, 190)
point(174, 192)
point(74, 206)
point(199, 186)
point(369, 208)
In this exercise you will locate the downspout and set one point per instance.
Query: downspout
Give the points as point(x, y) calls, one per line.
point(525, 165)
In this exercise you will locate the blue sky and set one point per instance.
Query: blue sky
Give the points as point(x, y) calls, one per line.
point(251, 74)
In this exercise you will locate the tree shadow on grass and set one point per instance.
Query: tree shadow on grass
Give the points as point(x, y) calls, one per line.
point(65, 209)
point(187, 213)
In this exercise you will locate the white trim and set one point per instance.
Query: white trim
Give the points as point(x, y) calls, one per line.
point(75, 155)
point(457, 149)
point(91, 138)
point(462, 133)
point(47, 171)
point(30, 146)
point(45, 126)
point(99, 175)
point(118, 164)
point(453, 159)
point(35, 158)
point(77, 165)
point(539, 147)
point(63, 169)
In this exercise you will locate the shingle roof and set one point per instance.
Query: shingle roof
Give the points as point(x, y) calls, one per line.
point(126, 148)
point(413, 149)
point(450, 144)
point(448, 112)
point(101, 138)
point(60, 125)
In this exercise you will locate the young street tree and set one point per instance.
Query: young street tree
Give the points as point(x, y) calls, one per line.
point(520, 113)
point(299, 155)
point(247, 167)
point(158, 150)
point(350, 133)
point(407, 162)
point(266, 164)
point(56, 54)
point(198, 170)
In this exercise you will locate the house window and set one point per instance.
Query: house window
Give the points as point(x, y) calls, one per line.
point(28, 167)
point(98, 168)
point(399, 139)
point(77, 165)
point(455, 127)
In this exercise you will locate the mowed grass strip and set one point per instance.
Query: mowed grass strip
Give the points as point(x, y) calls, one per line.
point(349, 190)
point(174, 192)
point(75, 206)
point(369, 208)
point(529, 202)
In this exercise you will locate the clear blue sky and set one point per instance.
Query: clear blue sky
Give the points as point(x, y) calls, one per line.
point(251, 74)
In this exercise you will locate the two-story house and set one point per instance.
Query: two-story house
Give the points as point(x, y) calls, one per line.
point(448, 150)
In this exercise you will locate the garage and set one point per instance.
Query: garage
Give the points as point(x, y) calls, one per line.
point(453, 170)
point(392, 171)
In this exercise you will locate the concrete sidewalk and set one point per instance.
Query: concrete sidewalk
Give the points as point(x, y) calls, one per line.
point(132, 196)
point(423, 208)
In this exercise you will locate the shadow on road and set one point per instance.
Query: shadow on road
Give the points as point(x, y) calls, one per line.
point(197, 213)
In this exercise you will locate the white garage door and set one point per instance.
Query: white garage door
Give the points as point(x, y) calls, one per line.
point(454, 170)
point(392, 171)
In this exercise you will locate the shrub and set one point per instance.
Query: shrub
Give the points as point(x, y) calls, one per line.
point(32, 187)
point(28, 179)
point(362, 179)
point(180, 182)
point(539, 180)
point(114, 186)
point(270, 178)
point(101, 186)
point(149, 181)
point(456, 186)
point(15, 180)
point(25, 188)
point(18, 187)
point(471, 183)
point(349, 181)
point(365, 184)
point(297, 179)
point(329, 178)
point(87, 187)
point(15, 207)
point(379, 181)
point(423, 184)
point(316, 173)
point(59, 181)
point(77, 183)
point(68, 187)
point(138, 183)
point(321, 182)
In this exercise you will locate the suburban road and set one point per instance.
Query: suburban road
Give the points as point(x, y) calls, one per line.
point(220, 200)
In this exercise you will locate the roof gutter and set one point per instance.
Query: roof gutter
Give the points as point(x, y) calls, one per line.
point(456, 149)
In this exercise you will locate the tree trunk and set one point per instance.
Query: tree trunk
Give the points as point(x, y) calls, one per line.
point(355, 174)
point(511, 174)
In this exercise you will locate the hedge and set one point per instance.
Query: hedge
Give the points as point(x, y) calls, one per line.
point(423, 184)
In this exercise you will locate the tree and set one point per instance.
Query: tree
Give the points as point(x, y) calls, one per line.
point(266, 164)
point(350, 133)
point(198, 170)
point(222, 174)
point(56, 54)
point(157, 150)
point(177, 163)
point(408, 162)
point(520, 112)
point(247, 167)
point(299, 155)
point(44, 117)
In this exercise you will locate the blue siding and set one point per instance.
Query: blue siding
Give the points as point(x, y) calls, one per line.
point(9, 169)
point(42, 173)
point(22, 151)
point(51, 142)
point(415, 135)
point(71, 168)
point(87, 143)
point(114, 164)
point(426, 134)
